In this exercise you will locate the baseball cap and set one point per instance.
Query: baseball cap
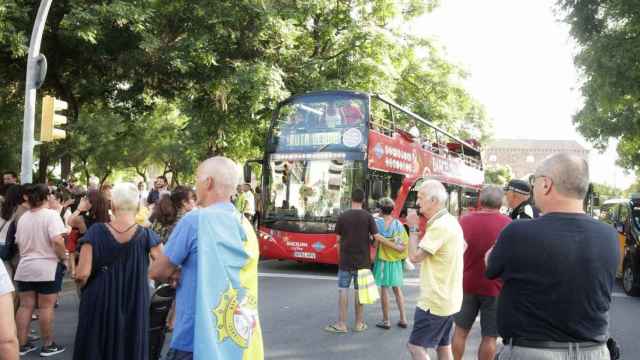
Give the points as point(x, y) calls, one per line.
point(518, 186)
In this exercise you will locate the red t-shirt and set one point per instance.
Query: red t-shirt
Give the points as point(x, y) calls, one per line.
point(481, 230)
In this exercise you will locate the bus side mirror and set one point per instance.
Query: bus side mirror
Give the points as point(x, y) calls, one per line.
point(247, 173)
point(378, 189)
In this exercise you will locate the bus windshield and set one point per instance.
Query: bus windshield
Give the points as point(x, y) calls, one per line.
point(321, 122)
point(312, 190)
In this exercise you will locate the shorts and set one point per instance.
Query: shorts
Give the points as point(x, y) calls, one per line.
point(345, 277)
point(44, 287)
point(488, 308)
point(431, 331)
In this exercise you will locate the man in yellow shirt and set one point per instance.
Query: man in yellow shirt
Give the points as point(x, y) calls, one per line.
point(440, 253)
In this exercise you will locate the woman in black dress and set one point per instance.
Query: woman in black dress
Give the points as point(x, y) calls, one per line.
point(113, 320)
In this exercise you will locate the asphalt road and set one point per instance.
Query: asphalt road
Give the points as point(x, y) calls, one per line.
point(297, 301)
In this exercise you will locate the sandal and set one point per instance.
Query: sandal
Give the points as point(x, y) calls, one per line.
point(360, 328)
point(402, 324)
point(334, 329)
point(383, 325)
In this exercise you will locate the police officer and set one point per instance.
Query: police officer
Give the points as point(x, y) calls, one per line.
point(517, 193)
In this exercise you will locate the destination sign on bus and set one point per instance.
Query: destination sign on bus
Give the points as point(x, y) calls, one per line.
point(314, 139)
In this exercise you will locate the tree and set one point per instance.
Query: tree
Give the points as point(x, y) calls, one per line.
point(609, 47)
point(170, 83)
point(606, 192)
point(499, 175)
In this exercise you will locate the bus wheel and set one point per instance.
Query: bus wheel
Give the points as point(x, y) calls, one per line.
point(629, 279)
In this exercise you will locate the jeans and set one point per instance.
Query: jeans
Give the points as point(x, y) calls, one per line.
point(509, 352)
point(178, 355)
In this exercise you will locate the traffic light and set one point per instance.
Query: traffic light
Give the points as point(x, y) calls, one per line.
point(51, 120)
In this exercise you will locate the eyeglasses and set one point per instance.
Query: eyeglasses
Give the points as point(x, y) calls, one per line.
point(533, 178)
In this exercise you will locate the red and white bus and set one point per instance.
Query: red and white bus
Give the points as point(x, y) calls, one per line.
point(321, 145)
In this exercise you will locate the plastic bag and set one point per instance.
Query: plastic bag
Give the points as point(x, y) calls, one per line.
point(367, 289)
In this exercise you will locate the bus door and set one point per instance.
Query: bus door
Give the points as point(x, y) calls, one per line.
point(383, 184)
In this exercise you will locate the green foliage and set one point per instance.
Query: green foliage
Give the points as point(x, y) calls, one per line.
point(498, 175)
point(606, 192)
point(607, 32)
point(153, 82)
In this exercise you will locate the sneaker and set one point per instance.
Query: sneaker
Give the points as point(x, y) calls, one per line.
point(26, 348)
point(51, 350)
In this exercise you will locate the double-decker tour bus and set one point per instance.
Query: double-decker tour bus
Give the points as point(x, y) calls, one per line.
point(322, 145)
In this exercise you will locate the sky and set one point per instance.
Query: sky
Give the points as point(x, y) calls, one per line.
point(519, 57)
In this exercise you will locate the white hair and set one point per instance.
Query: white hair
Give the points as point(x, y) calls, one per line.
point(124, 197)
point(435, 191)
point(224, 172)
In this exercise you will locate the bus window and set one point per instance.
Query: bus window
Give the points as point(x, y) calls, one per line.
point(470, 198)
point(453, 201)
point(391, 184)
point(610, 213)
point(411, 202)
point(623, 217)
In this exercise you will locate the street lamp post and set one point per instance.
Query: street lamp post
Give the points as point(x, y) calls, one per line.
point(36, 67)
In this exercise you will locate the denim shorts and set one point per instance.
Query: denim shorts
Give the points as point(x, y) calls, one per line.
point(345, 277)
point(431, 331)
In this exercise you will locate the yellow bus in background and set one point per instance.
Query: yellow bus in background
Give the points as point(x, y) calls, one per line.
point(624, 216)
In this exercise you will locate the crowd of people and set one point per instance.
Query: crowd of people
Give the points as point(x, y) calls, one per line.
point(542, 283)
point(118, 243)
point(540, 278)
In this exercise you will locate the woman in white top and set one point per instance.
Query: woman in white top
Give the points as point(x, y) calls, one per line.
point(39, 274)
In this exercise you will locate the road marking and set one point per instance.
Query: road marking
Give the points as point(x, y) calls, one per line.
point(617, 294)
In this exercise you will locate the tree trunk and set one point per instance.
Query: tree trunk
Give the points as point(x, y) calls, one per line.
point(65, 166)
point(105, 177)
point(142, 174)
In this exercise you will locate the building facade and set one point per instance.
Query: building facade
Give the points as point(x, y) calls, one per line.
point(524, 156)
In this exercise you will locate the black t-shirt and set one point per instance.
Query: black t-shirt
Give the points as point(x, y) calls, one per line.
point(558, 272)
point(355, 227)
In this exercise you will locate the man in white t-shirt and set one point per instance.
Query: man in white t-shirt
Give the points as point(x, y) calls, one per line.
point(8, 336)
point(250, 209)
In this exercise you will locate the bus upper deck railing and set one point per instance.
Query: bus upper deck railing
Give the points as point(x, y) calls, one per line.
point(433, 144)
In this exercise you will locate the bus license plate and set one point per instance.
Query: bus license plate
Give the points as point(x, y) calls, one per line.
point(304, 255)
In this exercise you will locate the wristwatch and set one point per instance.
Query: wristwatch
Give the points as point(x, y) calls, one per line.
point(414, 229)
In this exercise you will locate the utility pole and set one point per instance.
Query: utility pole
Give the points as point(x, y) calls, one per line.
point(36, 70)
